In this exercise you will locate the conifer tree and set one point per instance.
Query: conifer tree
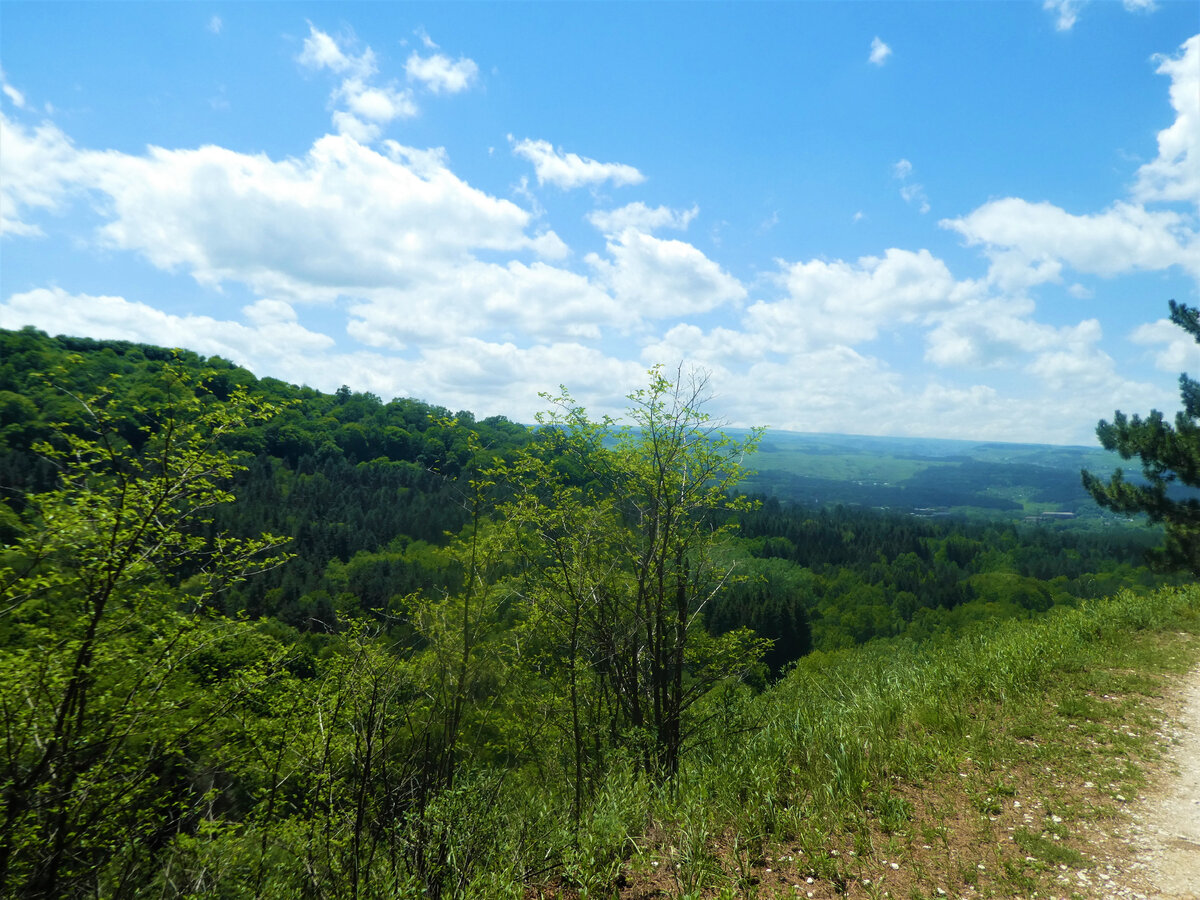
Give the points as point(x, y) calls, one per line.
point(1170, 459)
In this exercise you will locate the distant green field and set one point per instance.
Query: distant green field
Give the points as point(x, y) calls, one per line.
point(1000, 480)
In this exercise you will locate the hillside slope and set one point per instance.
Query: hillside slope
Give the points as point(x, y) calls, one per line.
point(1028, 762)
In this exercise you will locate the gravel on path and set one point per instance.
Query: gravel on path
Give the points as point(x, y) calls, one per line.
point(1164, 836)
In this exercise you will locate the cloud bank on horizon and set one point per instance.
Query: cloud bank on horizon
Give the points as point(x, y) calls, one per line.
point(506, 259)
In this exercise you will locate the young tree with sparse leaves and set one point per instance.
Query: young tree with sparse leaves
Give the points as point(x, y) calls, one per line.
point(623, 523)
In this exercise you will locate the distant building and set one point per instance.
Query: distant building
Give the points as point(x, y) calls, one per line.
point(1050, 517)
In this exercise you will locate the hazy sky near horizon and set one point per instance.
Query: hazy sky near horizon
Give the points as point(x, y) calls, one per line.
point(911, 218)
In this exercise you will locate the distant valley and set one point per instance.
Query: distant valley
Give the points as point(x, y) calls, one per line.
point(931, 476)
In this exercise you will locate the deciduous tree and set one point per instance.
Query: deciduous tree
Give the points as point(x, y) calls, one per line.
point(625, 520)
point(101, 598)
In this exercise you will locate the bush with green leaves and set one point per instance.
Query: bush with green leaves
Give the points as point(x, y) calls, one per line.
point(102, 633)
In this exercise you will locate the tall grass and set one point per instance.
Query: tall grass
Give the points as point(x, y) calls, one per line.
point(841, 723)
point(817, 753)
point(818, 765)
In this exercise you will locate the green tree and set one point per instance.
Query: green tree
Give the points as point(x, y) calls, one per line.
point(622, 523)
point(102, 600)
point(1170, 459)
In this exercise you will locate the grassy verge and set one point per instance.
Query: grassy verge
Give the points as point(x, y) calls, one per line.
point(991, 766)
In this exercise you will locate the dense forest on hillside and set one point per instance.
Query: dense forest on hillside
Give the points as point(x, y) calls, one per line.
point(263, 640)
point(369, 491)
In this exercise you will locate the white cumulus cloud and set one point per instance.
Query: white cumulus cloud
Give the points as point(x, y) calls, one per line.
point(642, 217)
point(364, 107)
point(1174, 349)
point(849, 302)
point(273, 331)
point(1066, 12)
point(15, 97)
point(721, 350)
point(340, 219)
point(1029, 243)
point(39, 168)
point(1174, 176)
point(509, 302)
point(379, 104)
point(912, 192)
point(879, 51)
point(423, 36)
point(569, 170)
point(989, 332)
point(660, 278)
point(322, 51)
point(501, 376)
point(440, 73)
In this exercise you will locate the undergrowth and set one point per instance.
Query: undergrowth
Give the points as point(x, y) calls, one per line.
point(984, 766)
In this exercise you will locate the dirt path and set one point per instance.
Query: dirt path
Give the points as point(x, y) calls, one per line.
point(1164, 840)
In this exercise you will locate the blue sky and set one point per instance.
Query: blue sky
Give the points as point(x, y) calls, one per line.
point(937, 219)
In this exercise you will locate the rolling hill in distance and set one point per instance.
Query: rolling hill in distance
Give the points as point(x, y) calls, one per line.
point(930, 476)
